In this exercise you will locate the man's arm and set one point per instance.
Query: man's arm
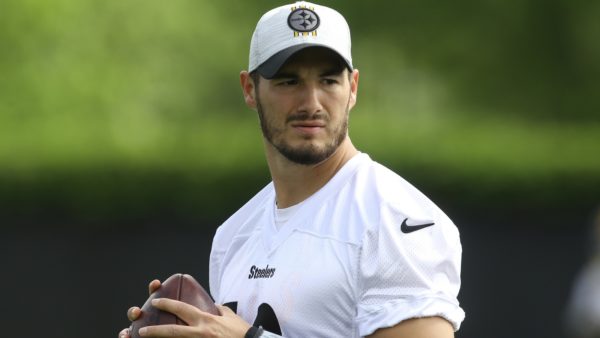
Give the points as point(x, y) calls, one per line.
point(427, 327)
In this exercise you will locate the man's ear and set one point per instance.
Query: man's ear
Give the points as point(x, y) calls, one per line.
point(353, 88)
point(248, 88)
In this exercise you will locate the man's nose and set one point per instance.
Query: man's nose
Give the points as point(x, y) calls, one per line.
point(310, 97)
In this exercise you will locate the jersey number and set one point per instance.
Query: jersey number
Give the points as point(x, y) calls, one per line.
point(265, 317)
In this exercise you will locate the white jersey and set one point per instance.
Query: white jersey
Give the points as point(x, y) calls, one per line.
point(367, 251)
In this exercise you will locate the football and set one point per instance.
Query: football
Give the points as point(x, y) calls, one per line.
point(180, 287)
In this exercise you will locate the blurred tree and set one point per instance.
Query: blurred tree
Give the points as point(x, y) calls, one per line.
point(533, 59)
point(137, 98)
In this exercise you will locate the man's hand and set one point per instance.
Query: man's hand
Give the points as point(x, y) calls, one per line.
point(200, 324)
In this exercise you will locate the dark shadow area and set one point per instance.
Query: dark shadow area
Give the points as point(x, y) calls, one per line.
point(75, 284)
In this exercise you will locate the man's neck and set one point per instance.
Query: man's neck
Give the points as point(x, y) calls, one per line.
point(296, 182)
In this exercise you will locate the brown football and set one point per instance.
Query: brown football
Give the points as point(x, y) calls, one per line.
point(179, 287)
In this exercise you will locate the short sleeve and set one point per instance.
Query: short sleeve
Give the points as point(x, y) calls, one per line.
point(411, 273)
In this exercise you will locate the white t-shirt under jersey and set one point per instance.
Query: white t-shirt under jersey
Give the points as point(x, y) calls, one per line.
point(283, 215)
point(345, 264)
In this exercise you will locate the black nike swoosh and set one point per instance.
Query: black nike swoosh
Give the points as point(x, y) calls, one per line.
point(410, 228)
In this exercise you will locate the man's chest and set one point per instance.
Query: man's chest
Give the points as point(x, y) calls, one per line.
point(306, 284)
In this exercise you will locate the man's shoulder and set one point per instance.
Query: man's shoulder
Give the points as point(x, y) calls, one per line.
point(383, 183)
point(379, 186)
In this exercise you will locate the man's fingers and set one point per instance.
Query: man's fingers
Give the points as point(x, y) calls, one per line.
point(186, 312)
point(124, 333)
point(170, 330)
point(133, 313)
point(153, 286)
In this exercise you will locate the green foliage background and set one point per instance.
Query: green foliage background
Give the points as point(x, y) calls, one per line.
point(116, 112)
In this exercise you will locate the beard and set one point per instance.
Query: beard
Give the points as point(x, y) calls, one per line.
point(307, 154)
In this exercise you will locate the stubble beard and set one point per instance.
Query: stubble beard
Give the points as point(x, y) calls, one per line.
point(308, 154)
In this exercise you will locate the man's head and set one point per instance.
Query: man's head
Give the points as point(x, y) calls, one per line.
point(301, 81)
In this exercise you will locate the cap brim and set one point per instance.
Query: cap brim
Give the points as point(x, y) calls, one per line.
point(269, 68)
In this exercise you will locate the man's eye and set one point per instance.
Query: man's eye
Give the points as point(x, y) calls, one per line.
point(287, 82)
point(330, 81)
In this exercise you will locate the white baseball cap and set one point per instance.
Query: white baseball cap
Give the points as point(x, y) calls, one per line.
point(285, 30)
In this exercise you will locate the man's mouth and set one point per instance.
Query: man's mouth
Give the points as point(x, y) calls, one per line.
point(308, 127)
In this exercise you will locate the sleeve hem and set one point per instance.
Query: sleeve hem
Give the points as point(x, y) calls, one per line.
point(371, 318)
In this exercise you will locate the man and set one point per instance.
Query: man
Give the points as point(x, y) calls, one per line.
point(336, 245)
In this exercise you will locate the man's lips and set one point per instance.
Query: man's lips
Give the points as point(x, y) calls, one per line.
point(308, 126)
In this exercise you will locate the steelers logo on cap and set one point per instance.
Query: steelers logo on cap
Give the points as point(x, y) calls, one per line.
point(303, 20)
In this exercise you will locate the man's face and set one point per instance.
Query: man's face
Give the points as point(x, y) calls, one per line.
point(304, 109)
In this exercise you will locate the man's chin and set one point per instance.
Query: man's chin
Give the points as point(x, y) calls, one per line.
point(305, 156)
